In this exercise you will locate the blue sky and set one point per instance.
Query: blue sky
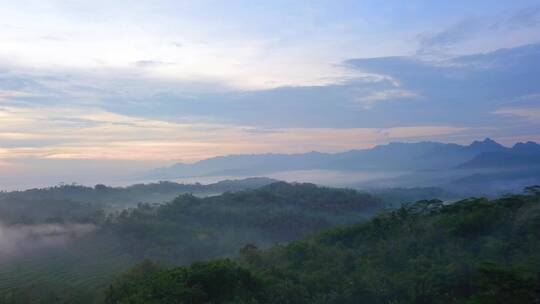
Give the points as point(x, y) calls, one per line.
point(161, 81)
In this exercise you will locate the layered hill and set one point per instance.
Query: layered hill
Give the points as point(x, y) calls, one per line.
point(394, 156)
point(471, 251)
point(76, 203)
point(184, 230)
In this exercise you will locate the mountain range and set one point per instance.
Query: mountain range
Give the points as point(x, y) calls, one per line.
point(391, 157)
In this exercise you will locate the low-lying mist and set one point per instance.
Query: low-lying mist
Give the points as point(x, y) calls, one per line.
point(20, 239)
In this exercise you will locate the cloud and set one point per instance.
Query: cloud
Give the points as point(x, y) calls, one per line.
point(237, 83)
point(529, 114)
point(87, 133)
point(7, 95)
point(103, 37)
point(459, 91)
point(151, 63)
point(481, 33)
point(443, 40)
point(367, 101)
point(523, 18)
point(420, 132)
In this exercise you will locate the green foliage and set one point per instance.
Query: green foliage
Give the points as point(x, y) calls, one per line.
point(77, 203)
point(397, 196)
point(18, 210)
point(50, 293)
point(185, 230)
point(472, 251)
point(190, 228)
point(498, 285)
point(219, 281)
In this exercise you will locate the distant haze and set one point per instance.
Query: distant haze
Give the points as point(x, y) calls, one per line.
point(485, 167)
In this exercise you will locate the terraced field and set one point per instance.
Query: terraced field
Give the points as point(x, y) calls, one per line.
point(84, 263)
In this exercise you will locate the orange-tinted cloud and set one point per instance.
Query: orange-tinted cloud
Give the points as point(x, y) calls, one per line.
point(89, 133)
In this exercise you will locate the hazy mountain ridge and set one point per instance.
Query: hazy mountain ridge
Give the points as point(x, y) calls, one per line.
point(520, 155)
point(393, 156)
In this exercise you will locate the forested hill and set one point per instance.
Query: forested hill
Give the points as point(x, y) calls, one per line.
point(191, 228)
point(471, 251)
point(184, 230)
point(78, 203)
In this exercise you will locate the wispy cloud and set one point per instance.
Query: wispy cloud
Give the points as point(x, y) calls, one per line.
point(86, 133)
point(476, 33)
point(367, 101)
point(530, 114)
point(523, 18)
point(151, 63)
point(443, 40)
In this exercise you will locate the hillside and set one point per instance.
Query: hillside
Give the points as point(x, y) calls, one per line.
point(77, 203)
point(191, 228)
point(471, 251)
point(42, 263)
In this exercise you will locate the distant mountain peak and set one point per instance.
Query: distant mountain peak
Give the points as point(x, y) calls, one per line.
point(394, 156)
point(486, 140)
point(526, 147)
point(487, 144)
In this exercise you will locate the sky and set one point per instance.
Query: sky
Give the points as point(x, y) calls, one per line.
point(100, 86)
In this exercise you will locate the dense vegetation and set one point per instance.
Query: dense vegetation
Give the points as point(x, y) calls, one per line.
point(472, 251)
point(185, 230)
point(394, 197)
point(77, 203)
point(191, 228)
